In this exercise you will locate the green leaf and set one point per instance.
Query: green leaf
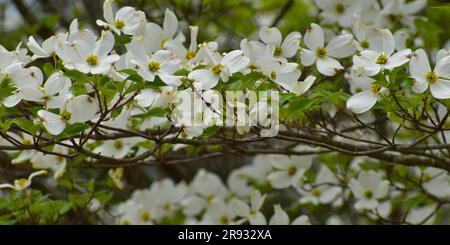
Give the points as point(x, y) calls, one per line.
point(300, 105)
point(6, 89)
point(73, 129)
point(415, 201)
point(123, 39)
point(74, 74)
point(24, 123)
point(48, 69)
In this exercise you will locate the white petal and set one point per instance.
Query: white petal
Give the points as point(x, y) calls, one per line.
point(235, 61)
point(170, 80)
point(420, 85)
point(442, 68)
point(108, 11)
point(257, 219)
point(55, 83)
point(308, 57)
point(301, 220)
point(27, 77)
point(301, 87)
point(314, 37)
point(270, 36)
point(35, 48)
point(203, 79)
point(419, 64)
point(328, 66)
point(398, 59)
point(279, 179)
point(361, 102)
point(341, 46)
point(280, 217)
point(83, 108)
point(440, 89)
point(170, 24)
point(291, 44)
point(105, 44)
point(52, 122)
point(239, 208)
point(12, 100)
point(382, 41)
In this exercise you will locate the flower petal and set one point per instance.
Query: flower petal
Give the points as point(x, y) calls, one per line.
point(361, 102)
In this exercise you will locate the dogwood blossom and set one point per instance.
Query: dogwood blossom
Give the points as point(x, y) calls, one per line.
point(324, 56)
point(438, 79)
point(127, 20)
point(373, 62)
point(22, 184)
point(368, 189)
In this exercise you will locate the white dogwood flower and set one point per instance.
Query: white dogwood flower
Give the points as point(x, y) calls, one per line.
point(324, 56)
point(375, 61)
point(363, 101)
point(56, 163)
point(438, 79)
point(250, 213)
point(27, 82)
point(87, 54)
point(22, 184)
point(289, 171)
point(368, 189)
point(127, 20)
point(78, 109)
point(162, 63)
point(325, 189)
point(221, 68)
point(46, 50)
point(276, 46)
point(339, 11)
point(155, 37)
point(11, 60)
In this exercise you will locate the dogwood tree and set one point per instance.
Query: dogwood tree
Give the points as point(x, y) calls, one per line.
point(343, 122)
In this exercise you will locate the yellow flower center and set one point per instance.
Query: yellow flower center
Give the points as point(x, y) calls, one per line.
point(316, 192)
point(340, 8)
point(292, 170)
point(364, 44)
point(382, 59)
point(431, 77)
point(118, 144)
point(368, 194)
point(65, 115)
point(119, 24)
point(209, 198)
point(321, 52)
point(163, 42)
point(190, 55)
point(375, 88)
point(216, 69)
point(273, 75)
point(224, 220)
point(426, 177)
point(125, 222)
point(59, 158)
point(92, 60)
point(21, 182)
point(277, 51)
point(153, 66)
point(145, 216)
